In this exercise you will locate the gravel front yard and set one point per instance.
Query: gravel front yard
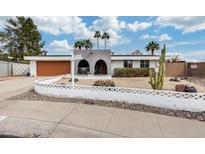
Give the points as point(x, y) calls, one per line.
point(139, 82)
point(198, 81)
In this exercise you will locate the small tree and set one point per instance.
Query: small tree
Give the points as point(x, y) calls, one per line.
point(87, 44)
point(78, 44)
point(157, 77)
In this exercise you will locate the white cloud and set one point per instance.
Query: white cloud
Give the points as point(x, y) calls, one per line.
point(181, 43)
point(113, 26)
point(186, 24)
point(61, 47)
point(199, 55)
point(79, 29)
point(108, 22)
point(136, 26)
point(148, 37)
point(63, 25)
point(178, 44)
point(162, 37)
point(116, 39)
point(165, 37)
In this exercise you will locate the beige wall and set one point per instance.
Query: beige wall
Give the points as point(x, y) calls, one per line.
point(175, 69)
point(196, 69)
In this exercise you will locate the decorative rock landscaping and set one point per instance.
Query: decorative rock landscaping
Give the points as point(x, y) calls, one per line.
point(185, 88)
point(32, 96)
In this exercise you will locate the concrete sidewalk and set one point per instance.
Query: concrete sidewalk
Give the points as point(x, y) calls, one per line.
point(48, 119)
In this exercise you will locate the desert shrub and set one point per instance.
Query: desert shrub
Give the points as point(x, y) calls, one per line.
point(131, 72)
point(104, 83)
point(120, 72)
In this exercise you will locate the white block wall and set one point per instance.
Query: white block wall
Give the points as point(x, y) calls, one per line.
point(158, 98)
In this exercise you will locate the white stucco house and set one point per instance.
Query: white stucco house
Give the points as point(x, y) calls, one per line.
point(93, 63)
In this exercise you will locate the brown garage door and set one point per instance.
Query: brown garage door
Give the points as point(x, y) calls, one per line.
point(51, 68)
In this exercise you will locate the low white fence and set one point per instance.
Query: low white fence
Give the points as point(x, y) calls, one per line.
point(162, 98)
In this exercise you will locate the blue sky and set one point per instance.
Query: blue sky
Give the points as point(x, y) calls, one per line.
point(182, 35)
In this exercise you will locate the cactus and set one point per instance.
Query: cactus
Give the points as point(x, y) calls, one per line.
point(157, 78)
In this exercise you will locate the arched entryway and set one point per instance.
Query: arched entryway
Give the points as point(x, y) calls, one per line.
point(100, 67)
point(83, 67)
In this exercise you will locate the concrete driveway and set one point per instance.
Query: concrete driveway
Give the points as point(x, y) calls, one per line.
point(15, 86)
point(50, 119)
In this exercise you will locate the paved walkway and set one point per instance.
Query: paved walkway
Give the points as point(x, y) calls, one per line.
point(49, 119)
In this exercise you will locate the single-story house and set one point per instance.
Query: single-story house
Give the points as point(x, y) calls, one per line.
point(91, 63)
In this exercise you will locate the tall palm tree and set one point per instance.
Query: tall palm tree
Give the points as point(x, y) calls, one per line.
point(87, 44)
point(105, 36)
point(152, 46)
point(97, 36)
point(78, 44)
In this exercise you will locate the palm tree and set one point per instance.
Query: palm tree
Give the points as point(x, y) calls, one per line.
point(97, 35)
point(78, 44)
point(105, 36)
point(175, 58)
point(152, 46)
point(87, 44)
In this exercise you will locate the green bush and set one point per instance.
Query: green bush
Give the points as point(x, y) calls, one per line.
point(131, 72)
point(104, 83)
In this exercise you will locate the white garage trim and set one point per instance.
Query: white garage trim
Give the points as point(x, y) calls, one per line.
point(48, 58)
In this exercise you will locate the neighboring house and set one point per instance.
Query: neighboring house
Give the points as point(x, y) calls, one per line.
point(136, 52)
point(92, 63)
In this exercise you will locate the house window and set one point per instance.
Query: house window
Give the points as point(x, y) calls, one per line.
point(144, 63)
point(128, 63)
